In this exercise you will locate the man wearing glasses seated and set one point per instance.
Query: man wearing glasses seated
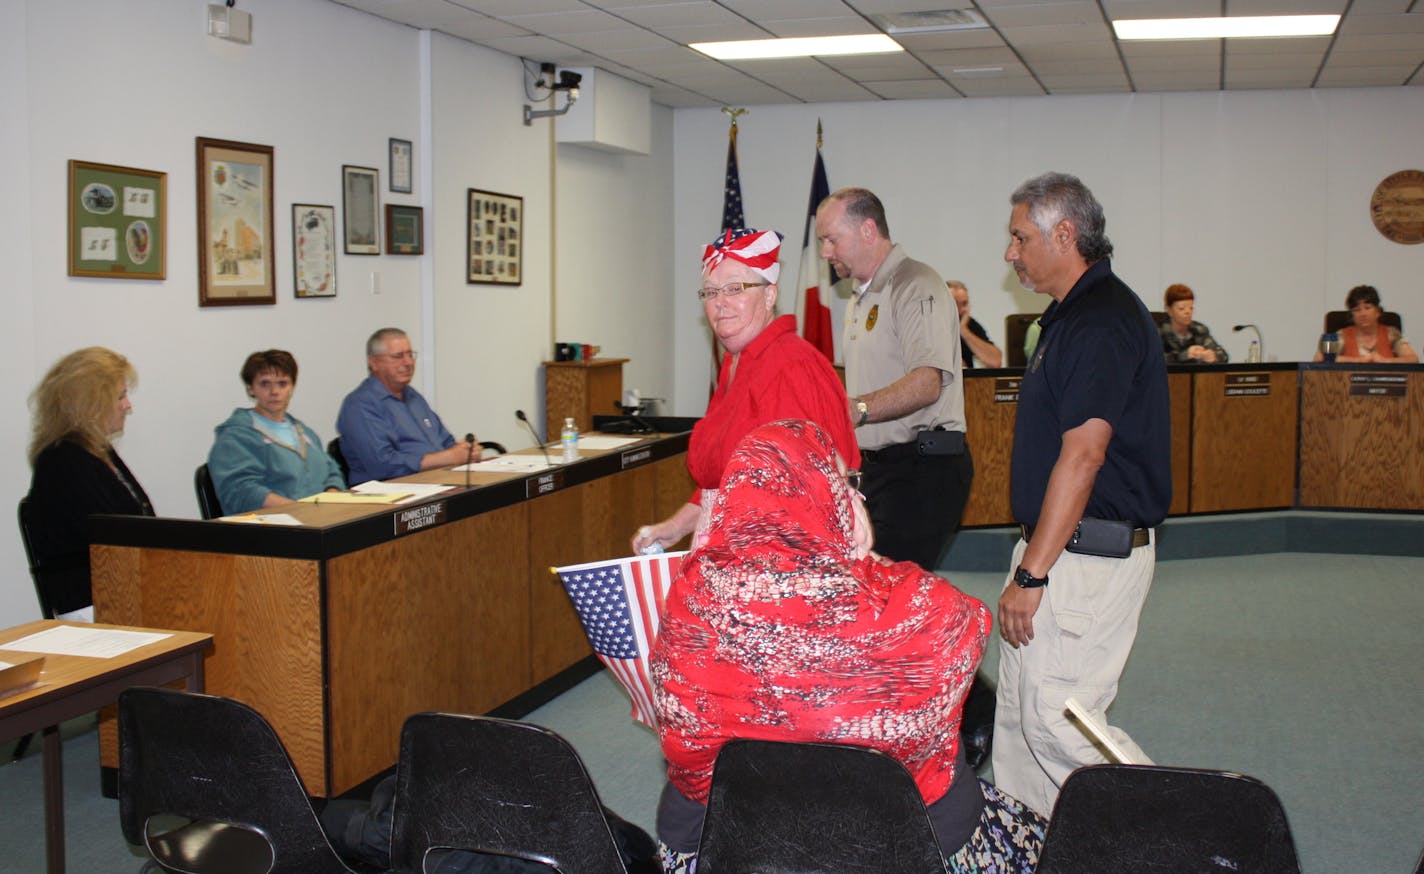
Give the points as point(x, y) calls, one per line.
point(387, 428)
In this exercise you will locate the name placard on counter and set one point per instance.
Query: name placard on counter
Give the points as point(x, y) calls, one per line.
point(635, 457)
point(1248, 385)
point(1006, 389)
point(1379, 385)
point(417, 518)
point(544, 483)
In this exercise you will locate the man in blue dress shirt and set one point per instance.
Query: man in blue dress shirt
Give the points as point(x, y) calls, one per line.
point(387, 429)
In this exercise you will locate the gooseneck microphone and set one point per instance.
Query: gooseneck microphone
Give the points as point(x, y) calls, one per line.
point(519, 414)
point(1260, 341)
point(469, 457)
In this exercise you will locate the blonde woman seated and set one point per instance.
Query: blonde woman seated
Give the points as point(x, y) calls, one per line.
point(79, 408)
point(783, 625)
point(1367, 340)
point(263, 456)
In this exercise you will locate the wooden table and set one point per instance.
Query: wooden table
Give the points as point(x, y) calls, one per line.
point(337, 630)
point(71, 686)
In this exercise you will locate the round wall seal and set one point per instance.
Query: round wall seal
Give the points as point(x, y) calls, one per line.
point(1397, 206)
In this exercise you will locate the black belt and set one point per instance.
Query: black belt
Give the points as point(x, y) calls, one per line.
point(929, 443)
point(1140, 536)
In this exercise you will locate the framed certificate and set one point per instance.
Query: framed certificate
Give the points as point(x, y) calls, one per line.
point(118, 221)
point(314, 250)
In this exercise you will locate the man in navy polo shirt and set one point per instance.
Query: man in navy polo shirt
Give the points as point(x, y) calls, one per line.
point(387, 428)
point(1091, 471)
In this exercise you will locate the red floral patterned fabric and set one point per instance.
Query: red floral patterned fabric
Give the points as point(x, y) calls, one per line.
point(775, 630)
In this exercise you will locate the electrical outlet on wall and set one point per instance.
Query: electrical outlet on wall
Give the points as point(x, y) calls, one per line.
point(375, 282)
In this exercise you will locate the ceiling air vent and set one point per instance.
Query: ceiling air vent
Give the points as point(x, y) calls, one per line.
point(930, 22)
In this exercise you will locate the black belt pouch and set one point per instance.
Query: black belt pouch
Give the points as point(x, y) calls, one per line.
point(940, 442)
point(1108, 538)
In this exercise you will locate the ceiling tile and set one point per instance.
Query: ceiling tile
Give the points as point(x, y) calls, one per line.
point(923, 90)
point(1383, 76)
point(1027, 36)
point(1288, 7)
point(1014, 87)
point(1176, 82)
point(1268, 79)
point(672, 14)
point(1374, 42)
point(970, 57)
point(1082, 81)
point(785, 10)
point(625, 39)
point(1011, 69)
point(507, 8)
point(557, 23)
point(1410, 59)
point(478, 28)
point(949, 40)
point(1047, 14)
point(1129, 9)
point(838, 26)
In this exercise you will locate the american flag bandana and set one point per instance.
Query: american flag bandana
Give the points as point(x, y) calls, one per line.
point(759, 250)
point(620, 603)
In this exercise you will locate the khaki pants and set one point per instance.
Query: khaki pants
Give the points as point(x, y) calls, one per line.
point(1083, 632)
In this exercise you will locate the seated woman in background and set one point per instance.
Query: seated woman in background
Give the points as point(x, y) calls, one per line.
point(264, 456)
point(1183, 340)
point(1367, 340)
point(78, 408)
point(783, 625)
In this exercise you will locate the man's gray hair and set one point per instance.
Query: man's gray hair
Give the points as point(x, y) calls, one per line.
point(1053, 197)
point(376, 345)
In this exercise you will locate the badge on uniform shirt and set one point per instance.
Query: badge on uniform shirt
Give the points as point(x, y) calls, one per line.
point(427, 422)
point(1038, 357)
point(871, 317)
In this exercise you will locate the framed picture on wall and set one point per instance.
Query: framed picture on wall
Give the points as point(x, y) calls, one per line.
point(313, 250)
point(402, 167)
point(360, 205)
point(118, 221)
point(236, 261)
point(494, 253)
point(405, 230)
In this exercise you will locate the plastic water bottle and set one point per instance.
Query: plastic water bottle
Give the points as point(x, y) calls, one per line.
point(1253, 354)
point(568, 439)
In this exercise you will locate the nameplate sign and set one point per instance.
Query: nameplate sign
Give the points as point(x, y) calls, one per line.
point(1379, 385)
point(1006, 389)
point(417, 518)
point(1248, 385)
point(635, 457)
point(544, 483)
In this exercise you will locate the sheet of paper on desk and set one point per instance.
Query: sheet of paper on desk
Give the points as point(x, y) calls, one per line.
point(600, 442)
point(353, 498)
point(264, 519)
point(401, 493)
point(509, 464)
point(100, 643)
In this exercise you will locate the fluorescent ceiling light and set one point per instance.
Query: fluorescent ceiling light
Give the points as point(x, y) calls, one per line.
point(798, 47)
point(1225, 28)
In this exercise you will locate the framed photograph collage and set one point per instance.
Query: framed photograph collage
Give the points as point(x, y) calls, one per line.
point(118, 225)
point(495, 248)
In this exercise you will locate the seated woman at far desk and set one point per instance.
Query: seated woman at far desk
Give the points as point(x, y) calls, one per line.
point(1183, 340)
point(1367, 340)
point(262, 455)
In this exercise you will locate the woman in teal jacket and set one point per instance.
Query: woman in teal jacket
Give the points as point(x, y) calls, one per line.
point(264, 456)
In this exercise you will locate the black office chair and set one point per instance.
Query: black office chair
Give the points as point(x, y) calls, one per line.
point(1124, 819)
point(811, 807)
point(36, 577)
point(1015, 329)
point(37, 572)
point(1337, 319)
point(496, 448)
point(208, 506)
point(334, 450)
point(216, 763)
point(495, 786)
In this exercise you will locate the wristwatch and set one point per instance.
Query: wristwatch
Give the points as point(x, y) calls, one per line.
point(864, 411)
point(1025, 580)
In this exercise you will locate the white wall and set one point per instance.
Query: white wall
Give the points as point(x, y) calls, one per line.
point(133, 83)
point(1258, 200)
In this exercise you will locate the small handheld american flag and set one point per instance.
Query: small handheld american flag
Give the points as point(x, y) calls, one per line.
point(619, 602)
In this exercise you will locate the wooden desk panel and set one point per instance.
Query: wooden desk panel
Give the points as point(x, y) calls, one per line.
point(264, 615)
point(1243, 447)
point(435, 621)
point(1179, 386)
point(989, 428)
point(1361, 452)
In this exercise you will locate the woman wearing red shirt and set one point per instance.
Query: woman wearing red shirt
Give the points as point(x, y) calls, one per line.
point(768, 373)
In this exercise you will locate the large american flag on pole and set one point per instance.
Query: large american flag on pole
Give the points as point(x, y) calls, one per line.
point(619, 603)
